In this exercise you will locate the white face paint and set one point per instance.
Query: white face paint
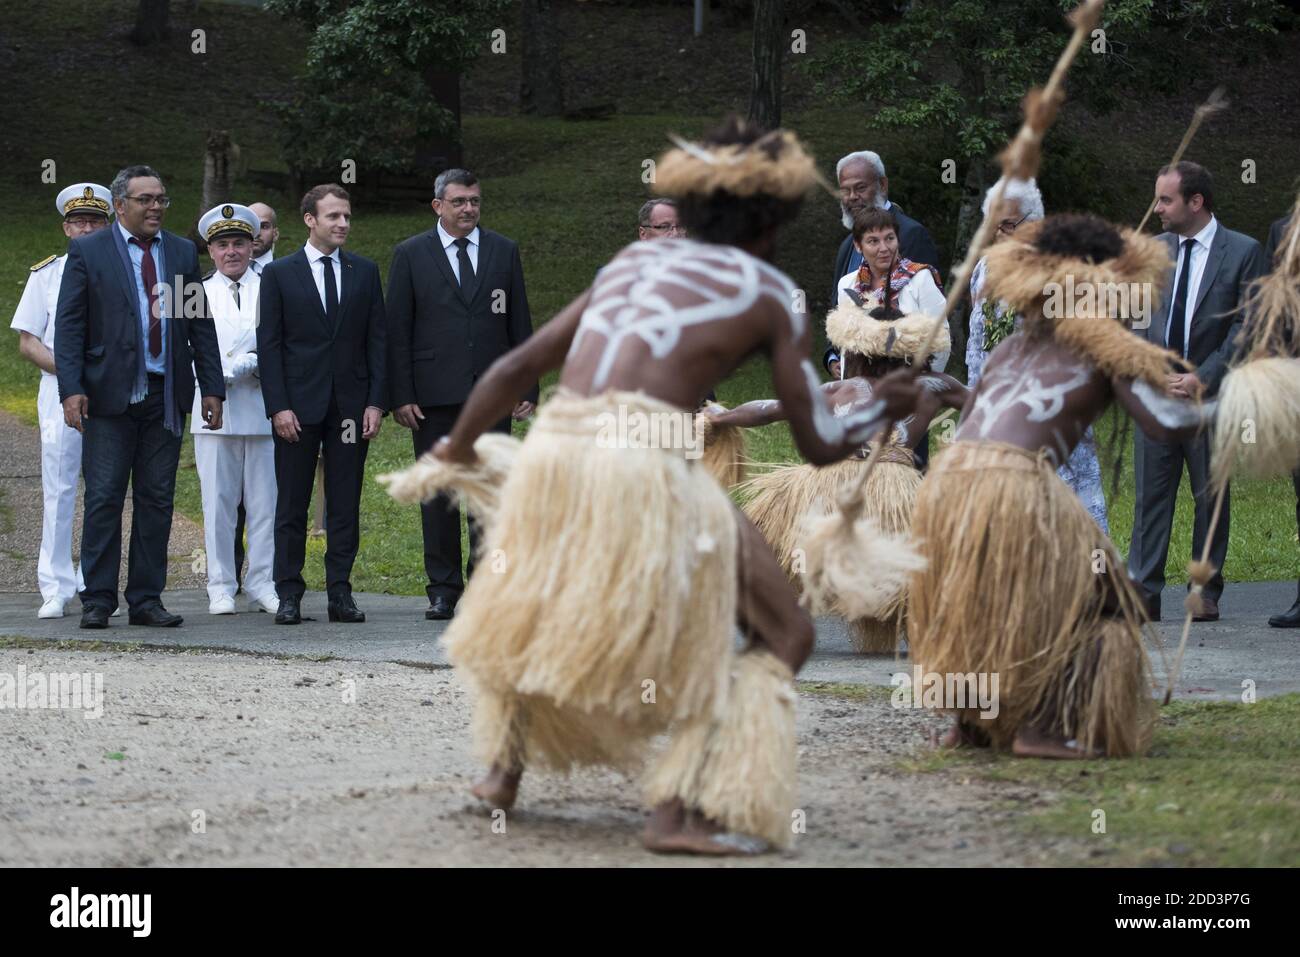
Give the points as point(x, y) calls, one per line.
point(629, 297)
point(933, 383)
point(1170, 412)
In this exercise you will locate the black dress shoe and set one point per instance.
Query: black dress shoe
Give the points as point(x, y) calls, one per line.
point(290, 612)
point(1288, 619)
point(343, 608)
point(440, 609)
point(94, 616)
point(1151, 606)
point(155, 616)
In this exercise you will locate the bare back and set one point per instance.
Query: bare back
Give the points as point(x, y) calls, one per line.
point(1035, 394)
point(673, 317)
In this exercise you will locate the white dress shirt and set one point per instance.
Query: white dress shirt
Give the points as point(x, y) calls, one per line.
point(1200, 254)
point(449, 246)
point(314, 257)
point(262, 261)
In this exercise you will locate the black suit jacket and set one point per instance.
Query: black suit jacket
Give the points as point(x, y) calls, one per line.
point(302, 360)
point(914, 243)
point(1234, 260)
point(1274, 241)
point(440, 339)
point(98, 329)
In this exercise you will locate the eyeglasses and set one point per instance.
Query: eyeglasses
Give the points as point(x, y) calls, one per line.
point(1007, 227)
point(666, 228)
point(460, 202)
point(146, 201)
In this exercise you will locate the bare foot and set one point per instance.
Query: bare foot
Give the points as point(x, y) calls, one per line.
point(1029, 742)
point(672, 829)
point(959, 736)
point(499, 788)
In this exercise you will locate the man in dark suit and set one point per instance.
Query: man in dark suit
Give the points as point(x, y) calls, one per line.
point(456, 303)
point(133, 329)
point(320, 345)
point(1198, 320)
point(1291, 617)
point(863, 183)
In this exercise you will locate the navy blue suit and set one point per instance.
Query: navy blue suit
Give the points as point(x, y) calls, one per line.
point(97, 348)
point(326, 374)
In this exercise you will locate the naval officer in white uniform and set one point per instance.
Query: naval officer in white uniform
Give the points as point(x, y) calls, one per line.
point(84, 208)
point(238, 460)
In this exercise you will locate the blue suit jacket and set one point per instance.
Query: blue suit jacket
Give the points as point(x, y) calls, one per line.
point(97, 327)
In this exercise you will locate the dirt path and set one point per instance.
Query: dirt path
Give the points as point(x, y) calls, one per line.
point(286, 772)
point(20, 519)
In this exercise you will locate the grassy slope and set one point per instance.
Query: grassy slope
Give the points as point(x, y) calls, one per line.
point(566, 191)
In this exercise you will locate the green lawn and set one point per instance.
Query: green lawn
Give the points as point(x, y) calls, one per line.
point(1219, 788)
point(566, 191)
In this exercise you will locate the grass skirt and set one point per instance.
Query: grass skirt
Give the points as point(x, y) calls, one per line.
point(781, 501)
point(1017, 573)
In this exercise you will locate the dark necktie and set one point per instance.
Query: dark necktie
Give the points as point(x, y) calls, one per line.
point(234, 291)
point(149, 273)
point(331, 291)
point(466, 268)
point(1176, 339)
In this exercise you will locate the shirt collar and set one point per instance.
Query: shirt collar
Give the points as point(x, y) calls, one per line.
point(1206, 235)
point(447, 238)
point(128, 236)
point(314, 254)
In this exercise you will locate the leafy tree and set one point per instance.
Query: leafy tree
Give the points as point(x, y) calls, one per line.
point(381, 84)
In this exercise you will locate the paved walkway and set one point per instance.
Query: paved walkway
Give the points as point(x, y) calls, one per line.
point(1220, 655)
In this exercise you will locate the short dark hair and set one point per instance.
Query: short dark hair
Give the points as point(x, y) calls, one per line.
point(448, 177)
point(723, 217)
point(1193, 178)
point(648, 207)
point(124, 176)
point(317, 193)
point(871, 218)
point(1079, 236)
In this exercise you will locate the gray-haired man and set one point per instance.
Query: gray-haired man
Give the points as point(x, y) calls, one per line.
point(658, 219)
point(456, 303)
point(862, 181)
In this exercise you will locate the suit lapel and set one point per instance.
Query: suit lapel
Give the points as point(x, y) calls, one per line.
point(126, 275)
point(346, 294)
point(440, 259)
point(1212, 264)
point(486, 251)
point(302, 267)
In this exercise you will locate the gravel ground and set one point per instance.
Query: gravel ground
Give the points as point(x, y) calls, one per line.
point(285, 772)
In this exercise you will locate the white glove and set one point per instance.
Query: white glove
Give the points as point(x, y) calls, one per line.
point(243, 365)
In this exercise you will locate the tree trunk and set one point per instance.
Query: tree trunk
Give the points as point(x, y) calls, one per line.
point(541, 90)
point(151, 22)
point(218, 170)
point(436, 153)
point(769, 46)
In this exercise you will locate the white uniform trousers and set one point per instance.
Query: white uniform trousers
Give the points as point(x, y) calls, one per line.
point(60, 469)
point(229, 465)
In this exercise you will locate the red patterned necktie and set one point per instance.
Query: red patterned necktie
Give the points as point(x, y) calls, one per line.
point(149, 273)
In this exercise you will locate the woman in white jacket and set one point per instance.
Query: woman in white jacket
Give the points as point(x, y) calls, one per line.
point(914, 286)
point(238, 460)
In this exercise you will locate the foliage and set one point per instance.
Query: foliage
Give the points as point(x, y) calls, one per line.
point(365, 91)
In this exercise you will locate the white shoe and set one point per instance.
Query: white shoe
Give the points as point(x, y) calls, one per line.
point(267, 603)
point(225, 605)
point(51, 609)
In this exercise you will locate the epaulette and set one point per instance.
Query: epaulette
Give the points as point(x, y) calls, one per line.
point(44, 262)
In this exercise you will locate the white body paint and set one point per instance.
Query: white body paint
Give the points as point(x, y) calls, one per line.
point(1170, 412)
point(628, 297)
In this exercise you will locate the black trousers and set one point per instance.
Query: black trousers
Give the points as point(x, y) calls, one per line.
point(440, 518)
point(345, 450)
point(1158, 468)
point(133, 446)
